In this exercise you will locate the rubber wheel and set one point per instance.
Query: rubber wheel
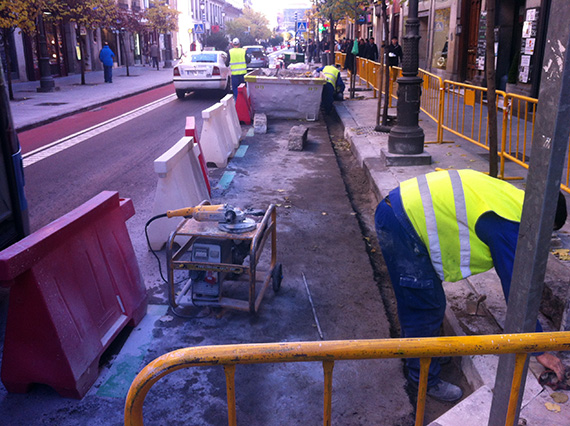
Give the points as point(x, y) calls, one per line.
point(180, 94)
point(277, 277)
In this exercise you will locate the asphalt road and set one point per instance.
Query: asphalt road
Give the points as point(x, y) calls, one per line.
point(120, 159)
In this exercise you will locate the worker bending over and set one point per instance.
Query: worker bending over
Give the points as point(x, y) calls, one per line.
point(333, 88)
point(446, 226)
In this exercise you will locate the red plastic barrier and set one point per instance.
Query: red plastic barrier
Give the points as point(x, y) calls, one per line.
point(243, 105)
point(74, 285)
point(191, 131)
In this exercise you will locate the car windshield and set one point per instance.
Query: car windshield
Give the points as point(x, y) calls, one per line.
point(204, 57)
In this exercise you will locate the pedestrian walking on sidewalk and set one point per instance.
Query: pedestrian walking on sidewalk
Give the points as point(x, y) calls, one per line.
point(106, 56)
point(446, 226)
point(237, 60)
point(154, 54)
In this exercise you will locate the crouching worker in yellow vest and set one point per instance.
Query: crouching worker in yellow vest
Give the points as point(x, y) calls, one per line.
point(333, 88)
point(237, 60)
point(446, 226)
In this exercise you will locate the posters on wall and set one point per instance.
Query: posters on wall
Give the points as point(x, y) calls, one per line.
point(481, 41)
point(528, 44)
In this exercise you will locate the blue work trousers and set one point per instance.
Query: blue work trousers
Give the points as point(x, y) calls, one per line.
point(236, 81)
point(418, 289)
point(327, 97)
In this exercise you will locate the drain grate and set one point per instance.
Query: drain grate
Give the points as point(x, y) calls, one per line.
point(367, 130)
point(52, 103)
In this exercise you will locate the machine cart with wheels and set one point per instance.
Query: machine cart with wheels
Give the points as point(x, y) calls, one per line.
point(219, 259)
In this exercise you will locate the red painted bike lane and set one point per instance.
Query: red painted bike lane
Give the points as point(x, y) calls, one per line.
point(43, 135)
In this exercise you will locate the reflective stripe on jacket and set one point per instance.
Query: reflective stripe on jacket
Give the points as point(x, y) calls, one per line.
point(238, 65)
point(331, 74)
point(444, 208)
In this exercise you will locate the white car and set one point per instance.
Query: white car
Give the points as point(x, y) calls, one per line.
point(202, 71)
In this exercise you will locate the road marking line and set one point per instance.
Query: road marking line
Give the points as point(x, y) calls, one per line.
point(226, 179)
point(53, 148)
point(241, 151)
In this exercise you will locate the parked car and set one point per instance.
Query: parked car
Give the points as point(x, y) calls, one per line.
point(202, 71)
point(258, 57)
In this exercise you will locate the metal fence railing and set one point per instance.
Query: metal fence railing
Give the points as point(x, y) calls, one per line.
point(329, 352)
point(465, 111)
point(462, 110)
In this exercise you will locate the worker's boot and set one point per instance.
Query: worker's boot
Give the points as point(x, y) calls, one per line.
point(445, 391)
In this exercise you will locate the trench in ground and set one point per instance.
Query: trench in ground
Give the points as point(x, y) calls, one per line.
point(363, 201)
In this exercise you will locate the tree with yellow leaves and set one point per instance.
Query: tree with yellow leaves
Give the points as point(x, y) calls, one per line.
point(14, 14)
point(88, 14)
point(163, 20)
point(336, 10)
point(129, 21)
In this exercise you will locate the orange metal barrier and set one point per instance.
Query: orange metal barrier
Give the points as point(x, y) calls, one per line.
point(328, 352)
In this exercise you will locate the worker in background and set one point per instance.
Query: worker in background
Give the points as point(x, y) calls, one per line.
point(446, 226)
point(237, 60)
point(334, 87)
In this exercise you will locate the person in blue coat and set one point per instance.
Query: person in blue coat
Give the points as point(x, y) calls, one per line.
point(106, 56)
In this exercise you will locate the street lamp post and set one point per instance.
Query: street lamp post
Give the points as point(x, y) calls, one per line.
point(295, 29)
point(168, 50)
point(203, 13)
point(406, 139)
point(47, 84)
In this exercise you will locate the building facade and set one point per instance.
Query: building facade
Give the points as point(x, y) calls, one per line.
point(452, 43)
point(63, 46)
point(201, 17)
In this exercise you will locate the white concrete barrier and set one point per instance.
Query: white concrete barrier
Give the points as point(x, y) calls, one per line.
point(180, 184)
point(215, 139)
point(232, 118)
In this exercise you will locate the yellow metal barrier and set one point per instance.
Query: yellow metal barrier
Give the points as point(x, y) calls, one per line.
point(519, 117)
point(328, 352)
point(374, 73)
point(465, 111)
point(395, 74)
point(339, 58)
point(432, 100)
point(461, 109)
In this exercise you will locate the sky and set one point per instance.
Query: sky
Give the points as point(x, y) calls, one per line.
point(270, 8)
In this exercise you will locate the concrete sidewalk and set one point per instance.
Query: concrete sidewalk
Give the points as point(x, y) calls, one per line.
point(359, 119)
point(31, 108)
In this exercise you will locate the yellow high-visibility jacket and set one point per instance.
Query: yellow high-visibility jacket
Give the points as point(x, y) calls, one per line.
point(444, 207)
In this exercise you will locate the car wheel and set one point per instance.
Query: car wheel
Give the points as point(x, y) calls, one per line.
point(180, 94)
